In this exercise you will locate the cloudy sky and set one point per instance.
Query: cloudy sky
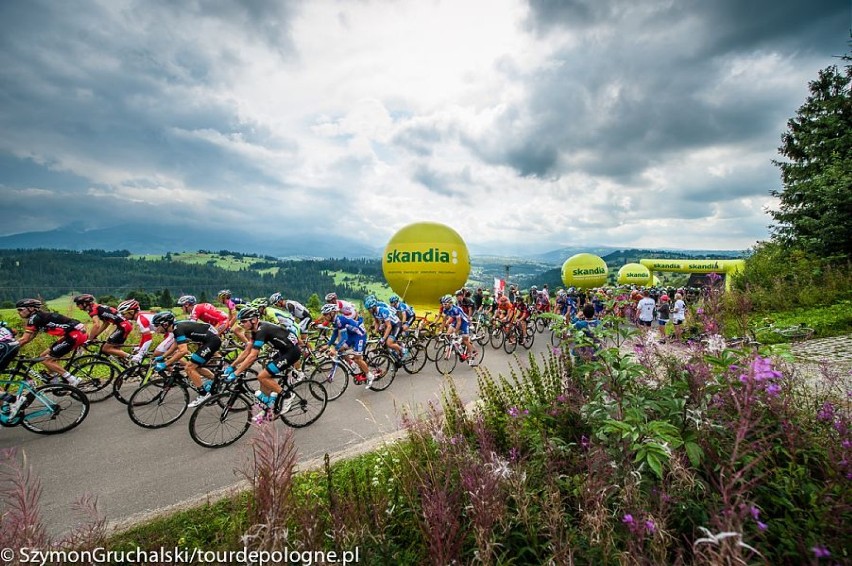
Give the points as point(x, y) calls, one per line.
point(554, 123)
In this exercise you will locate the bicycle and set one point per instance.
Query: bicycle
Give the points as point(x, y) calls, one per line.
point(162, 401)
point(51, 408)
point(514, 335)
point(452, 351)
point(335, 373)
point(772, 333)
point(225, 417)
point(96, 370)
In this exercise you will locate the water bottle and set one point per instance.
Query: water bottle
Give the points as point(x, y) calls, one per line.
point(260, 396)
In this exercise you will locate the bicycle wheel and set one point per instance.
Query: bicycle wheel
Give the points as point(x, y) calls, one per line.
point(483, 333)
point(496, 338)
point(528, 338)
point(510, 342)
point(130, 380)
point(447, 360)
point(416, 360)
point(540, 324)
point(309, 404)
point(333, 377)
point(221, 420)
point(158, 404)
point(56, 408)
point(796, 333)
point(433, 348)
point(95, 375)
point(384, 368)
point(476, 359)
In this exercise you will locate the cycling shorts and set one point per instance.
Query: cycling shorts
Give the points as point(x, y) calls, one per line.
point(282, 360)
point(206, 350)
point(122, 331)
point(356, 344)
point(8, 351)
point(464, 329)
point(68, 343)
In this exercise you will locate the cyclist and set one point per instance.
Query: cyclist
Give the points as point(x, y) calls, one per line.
point(542, 299)
point(504, 311)
point(464, 301)
point(205, 312)
point(387, 323)
point(404, 311)
point(347, 309)
point(102, 316)
point(457, 322)
point(487, 302)
point(186, 331)
point(226, 298)
point(285, 344)
point(522, 314)
point(299, 312)
point(72, 333)
point(131, 310)
point(586, 322)
point(347, 334)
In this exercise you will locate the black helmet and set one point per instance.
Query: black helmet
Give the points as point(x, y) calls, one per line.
point(248, 313)
point(84, 299)
point(29, 303)
point(161, 318)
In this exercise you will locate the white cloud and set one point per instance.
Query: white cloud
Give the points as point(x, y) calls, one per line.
point(543, 123)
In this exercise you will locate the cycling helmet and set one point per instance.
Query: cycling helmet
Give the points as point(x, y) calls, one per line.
point(259, 303)
point(447, 300)
point(503, 299)
point(486, 293)
point(84, 299)
point(330, 297)
point(533, 288)
point(248, 313)
point(275, 298)
point(128, 305)
point(370, 302)
point(162, 318)
point(224, 294)
point(519, 299)
point(664, 298)
point(330, 308)
point(394, 299)
point(187, 300)
point(29, 303)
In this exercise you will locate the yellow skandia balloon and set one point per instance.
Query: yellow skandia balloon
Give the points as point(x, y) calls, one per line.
point(584, 271)
point(634, 274)
point(423, 261)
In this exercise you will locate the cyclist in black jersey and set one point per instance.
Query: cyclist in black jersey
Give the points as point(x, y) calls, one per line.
point(286, 345)
point(102, 316)
point(184, 332)
point(72, 332)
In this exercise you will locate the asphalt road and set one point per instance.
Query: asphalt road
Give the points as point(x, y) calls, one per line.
point(133, 470)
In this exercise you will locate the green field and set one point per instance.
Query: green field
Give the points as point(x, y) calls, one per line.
point(380, 290)
point(229, 262)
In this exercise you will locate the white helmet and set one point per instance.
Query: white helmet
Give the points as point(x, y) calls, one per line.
point(330, 308)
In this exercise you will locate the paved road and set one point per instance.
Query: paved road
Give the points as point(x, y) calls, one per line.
point(133, 470)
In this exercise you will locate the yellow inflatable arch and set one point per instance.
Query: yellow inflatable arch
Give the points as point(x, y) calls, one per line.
point(727, 266)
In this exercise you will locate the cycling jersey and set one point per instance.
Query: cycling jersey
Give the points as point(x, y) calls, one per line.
point(8, 346)
point(54, 324)
point(406, 309)
point(284, 318)
point(297, 309)
point(6, 333)
point(454, 312)
point(200, 333)
point(231, 304)
point(110, 315)
point(72, 332)
point(283, 340)
point(347, 309)
point(146, 331)
point(205, 312)
point(384, 313)
point(522, 311)
point(349, 331)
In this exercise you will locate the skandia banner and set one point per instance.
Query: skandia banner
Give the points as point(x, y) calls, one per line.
point(424, 261)
point(694, 265)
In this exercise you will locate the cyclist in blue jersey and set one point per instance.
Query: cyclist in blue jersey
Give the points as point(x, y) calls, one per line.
point(457, 320)
point(347, 334)
point(403, 310)
point(387, 323)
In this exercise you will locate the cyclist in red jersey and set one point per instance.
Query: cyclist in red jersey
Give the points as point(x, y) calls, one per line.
point(205, 312)
point(72, 333)
point(131, 310)
point(102, 316)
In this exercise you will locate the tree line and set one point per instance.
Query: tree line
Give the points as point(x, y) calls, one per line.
point(49, 273)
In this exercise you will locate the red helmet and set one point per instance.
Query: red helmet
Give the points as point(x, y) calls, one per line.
point(664, 298)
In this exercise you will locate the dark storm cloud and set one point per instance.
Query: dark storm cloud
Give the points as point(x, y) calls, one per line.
point(87, 90)
point(645, 81)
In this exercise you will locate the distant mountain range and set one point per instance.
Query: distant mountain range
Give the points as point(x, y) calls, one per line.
point(141, 238)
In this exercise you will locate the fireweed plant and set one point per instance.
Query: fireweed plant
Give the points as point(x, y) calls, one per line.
point(592, 453)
